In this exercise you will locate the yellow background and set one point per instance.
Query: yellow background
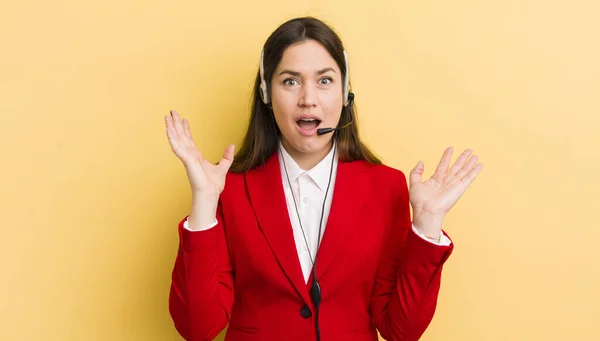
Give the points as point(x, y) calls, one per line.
point(91, 193)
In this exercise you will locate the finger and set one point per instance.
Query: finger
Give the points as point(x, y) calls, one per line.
point(186, 129)
point(468, 179)
point(166, 118)
point(171, 135)
point(168, 122)
point(171, 123)
point(227, 158)
point(442, 168)
point(416, 173)
point(465, 169)
point(177, 122)
point(190, 141)
point(170, 130)
point(460, 162)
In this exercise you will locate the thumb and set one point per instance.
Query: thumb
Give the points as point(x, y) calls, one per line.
point(415, 173)
point(227, 158)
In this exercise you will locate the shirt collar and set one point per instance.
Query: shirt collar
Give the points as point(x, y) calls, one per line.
point(319, 173)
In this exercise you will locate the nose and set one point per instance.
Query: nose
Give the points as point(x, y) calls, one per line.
point(308, 96)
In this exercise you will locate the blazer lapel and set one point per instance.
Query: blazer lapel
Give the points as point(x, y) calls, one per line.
point(350, 192)
point(265, 189)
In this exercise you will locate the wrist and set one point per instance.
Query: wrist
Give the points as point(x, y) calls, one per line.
point(429, 226)
point(205, 195)
point(203, 212)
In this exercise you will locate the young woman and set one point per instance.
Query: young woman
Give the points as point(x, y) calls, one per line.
point(304, 234)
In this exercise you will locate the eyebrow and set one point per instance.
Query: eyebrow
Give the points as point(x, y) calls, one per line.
point(296, 73)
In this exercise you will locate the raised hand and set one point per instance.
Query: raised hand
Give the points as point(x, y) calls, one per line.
point(206, 179)
point(432, 199)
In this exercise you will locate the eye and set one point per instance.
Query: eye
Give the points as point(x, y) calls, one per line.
point(290, 82)
point(326, 80)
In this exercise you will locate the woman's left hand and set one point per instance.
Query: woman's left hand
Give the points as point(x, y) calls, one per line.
point(432, 199)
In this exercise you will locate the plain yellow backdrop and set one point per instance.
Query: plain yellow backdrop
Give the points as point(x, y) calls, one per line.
point(91, 193)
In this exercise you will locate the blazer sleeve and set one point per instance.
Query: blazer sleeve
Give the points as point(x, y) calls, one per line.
point(201, 295)
point(408, 276)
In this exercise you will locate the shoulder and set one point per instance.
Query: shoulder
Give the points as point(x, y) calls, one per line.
point(387, 182)
point(387, 171)
point(387, 174)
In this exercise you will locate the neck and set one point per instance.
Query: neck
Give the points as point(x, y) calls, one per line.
point(307, 161)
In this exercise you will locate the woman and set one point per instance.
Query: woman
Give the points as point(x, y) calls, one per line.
point(305, 235)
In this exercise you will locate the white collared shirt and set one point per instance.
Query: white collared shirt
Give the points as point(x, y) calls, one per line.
point(308, 191)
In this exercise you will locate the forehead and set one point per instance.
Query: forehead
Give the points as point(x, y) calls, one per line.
point(307, 56)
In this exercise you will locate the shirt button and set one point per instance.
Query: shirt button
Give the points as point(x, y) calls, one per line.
point(305, 200)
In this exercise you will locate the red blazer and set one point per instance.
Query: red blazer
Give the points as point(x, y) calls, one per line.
point(375, 273)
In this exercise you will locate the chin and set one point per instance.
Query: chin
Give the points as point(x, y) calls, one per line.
point(309, 145)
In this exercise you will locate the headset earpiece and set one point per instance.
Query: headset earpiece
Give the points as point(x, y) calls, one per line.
point(346, 80)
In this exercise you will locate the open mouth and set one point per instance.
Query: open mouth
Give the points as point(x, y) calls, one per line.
point(308, 123)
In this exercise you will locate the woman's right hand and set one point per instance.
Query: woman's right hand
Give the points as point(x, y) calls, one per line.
point(206, 179)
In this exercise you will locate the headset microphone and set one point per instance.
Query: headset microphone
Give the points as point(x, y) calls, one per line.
point(323, 131)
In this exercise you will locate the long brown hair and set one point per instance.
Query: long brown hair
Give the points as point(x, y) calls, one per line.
point(262, 137)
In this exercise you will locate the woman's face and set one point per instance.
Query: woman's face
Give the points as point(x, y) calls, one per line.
point(306, 94)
